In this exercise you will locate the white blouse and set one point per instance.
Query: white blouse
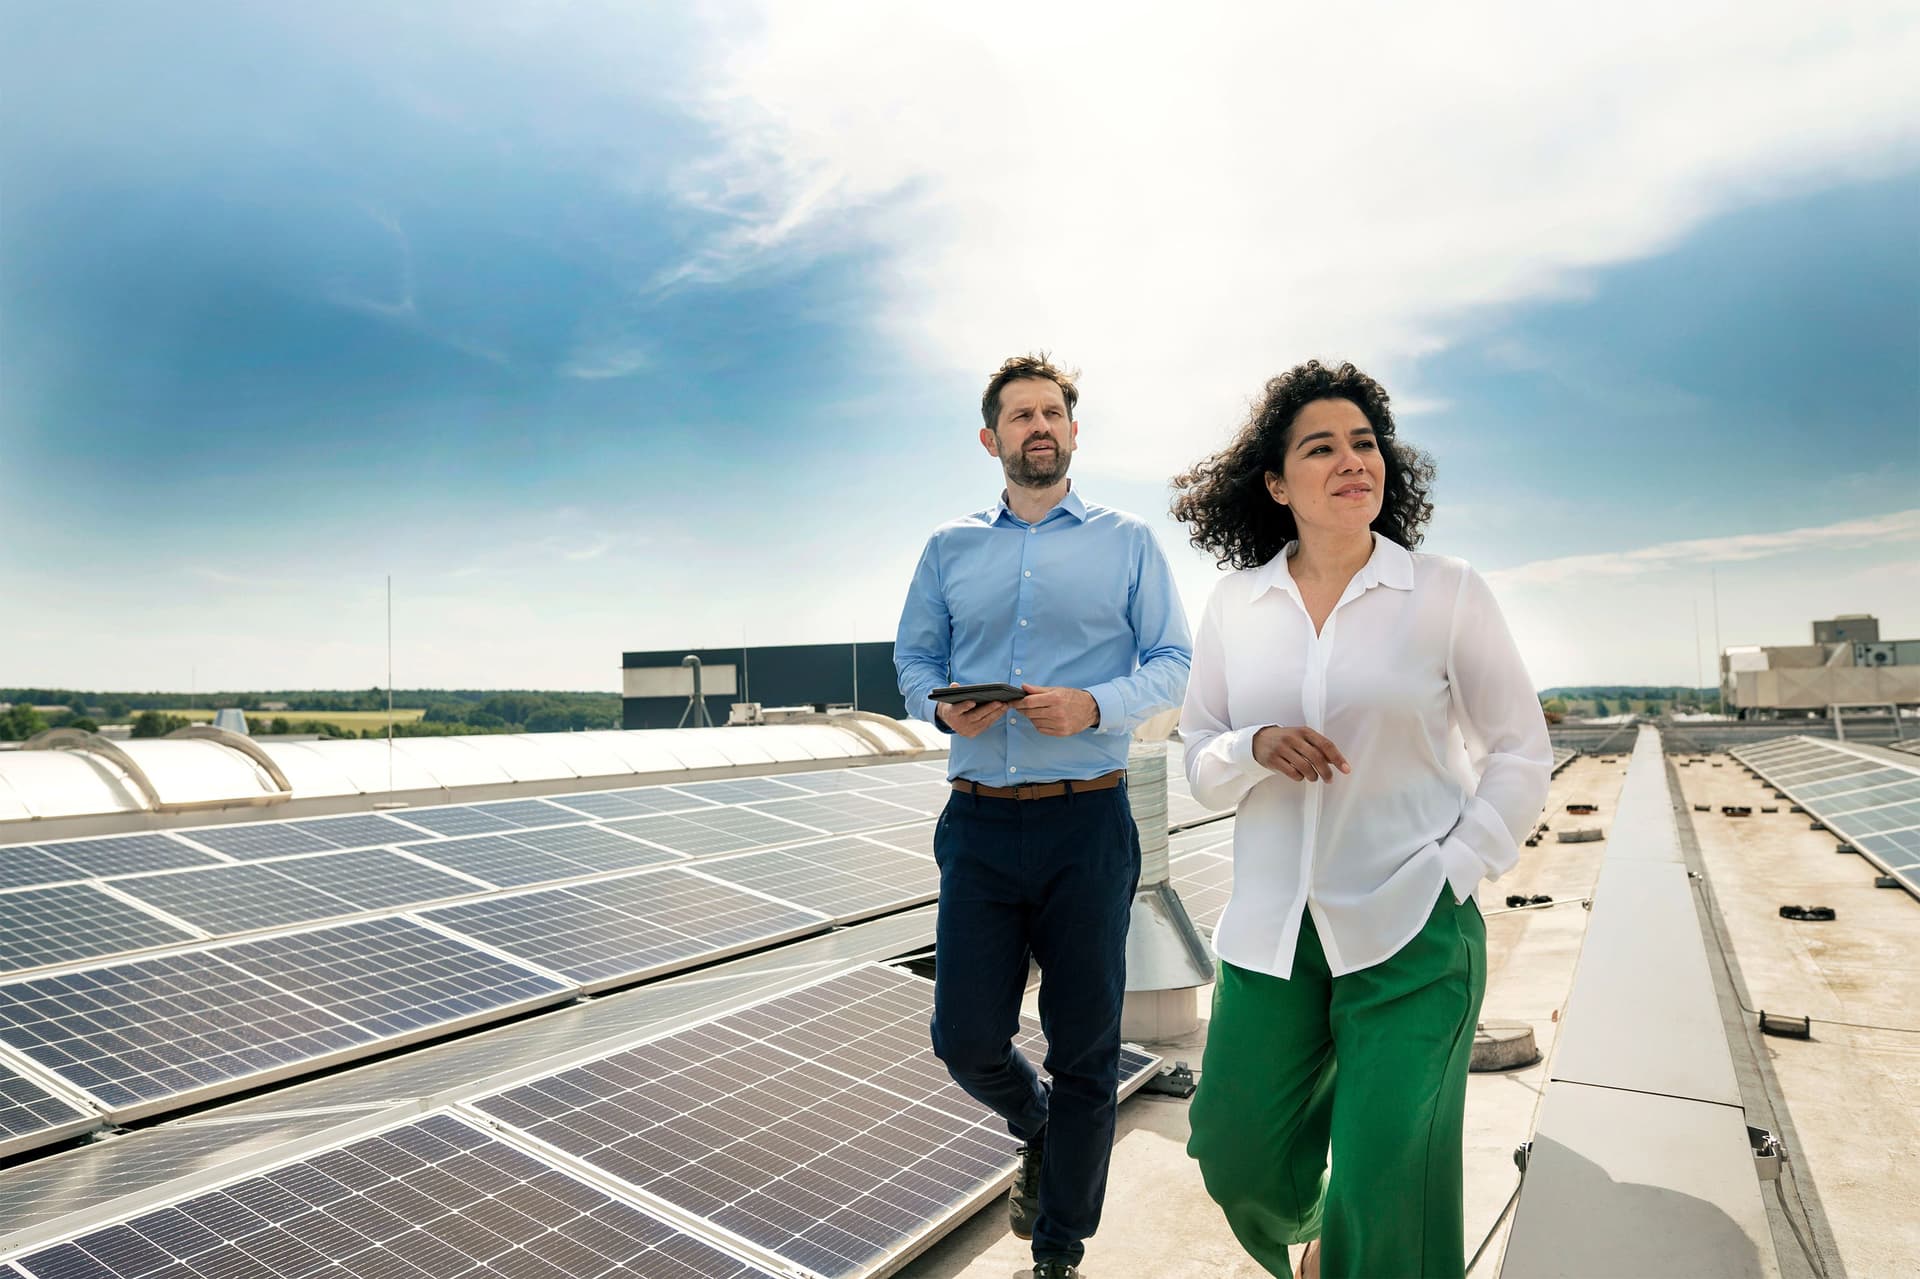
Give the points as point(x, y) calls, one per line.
point(1417, 681)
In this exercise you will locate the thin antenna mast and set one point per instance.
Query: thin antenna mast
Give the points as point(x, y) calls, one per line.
point(389, 684)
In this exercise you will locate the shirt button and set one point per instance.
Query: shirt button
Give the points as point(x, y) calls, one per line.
point(1018, 671)
point(1028, 573)
point(1023, 621)
point(1012, 769)
point(1033, 530)
point(1013, 719)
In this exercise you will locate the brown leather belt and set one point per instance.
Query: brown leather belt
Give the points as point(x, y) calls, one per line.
point(1042, 790)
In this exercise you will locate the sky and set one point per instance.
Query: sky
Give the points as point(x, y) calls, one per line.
point(609, 326)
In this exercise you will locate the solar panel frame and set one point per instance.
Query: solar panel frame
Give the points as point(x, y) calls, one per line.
point(378, 879)
point(739, 790)
point(834, 781)
point(845, 813)
point(1878, 831)
point(360, 830)
point(596, 847)
point(254, 841)
point(25, 866)
point(681, 833)
point(396, 976)
point(529, 814)
point(612, 931)
point(239, 898)
point(109, 855)
point(200, 1031)
point(847, 878)
point(917, 839)
point(60, 924)
point(429, 1195)
point(458, 819)
point(498, 859)
point(635, 802)
point(32, 1114)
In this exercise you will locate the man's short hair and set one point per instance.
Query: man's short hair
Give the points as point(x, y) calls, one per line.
point(1019, 368)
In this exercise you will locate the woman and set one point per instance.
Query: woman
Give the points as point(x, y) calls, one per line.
point(1330, 674)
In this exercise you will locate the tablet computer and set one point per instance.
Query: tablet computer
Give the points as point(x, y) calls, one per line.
point(977, 693)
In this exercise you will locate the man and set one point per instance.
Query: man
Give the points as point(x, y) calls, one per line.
point(1038, 853)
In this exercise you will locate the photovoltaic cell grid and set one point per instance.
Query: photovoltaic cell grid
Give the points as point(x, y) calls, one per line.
point(734, 1122)
point(435, 1197)
point(846, 878)
point(1852, 795)
point(693, 836)
point(504, 862)
point(1204, 882)
point(22, 865)
point(625, 927)
point(840, 814)
point(376, 879)
point(593, 848)
point(127, 854)
point(151, 1031)
point(70, 922)
point(235, 899)
point(28, 1109)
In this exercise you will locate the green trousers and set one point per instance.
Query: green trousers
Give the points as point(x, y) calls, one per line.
point(1331, 1107)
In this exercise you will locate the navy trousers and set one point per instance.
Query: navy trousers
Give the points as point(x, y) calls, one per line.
point(1051, 879)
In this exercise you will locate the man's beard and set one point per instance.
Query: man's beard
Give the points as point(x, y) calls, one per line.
point(1030, 472)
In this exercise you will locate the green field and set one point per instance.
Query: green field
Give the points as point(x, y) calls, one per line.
point(347, 721)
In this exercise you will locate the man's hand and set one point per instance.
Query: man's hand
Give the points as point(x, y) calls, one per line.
point(1300, 753)
point(970, 719)
point(1059, 712)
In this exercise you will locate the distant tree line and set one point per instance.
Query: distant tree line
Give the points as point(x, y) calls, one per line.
point(449, 712)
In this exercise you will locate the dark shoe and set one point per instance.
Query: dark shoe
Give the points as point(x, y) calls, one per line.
point(1054, 1268)
point(1023, 1201)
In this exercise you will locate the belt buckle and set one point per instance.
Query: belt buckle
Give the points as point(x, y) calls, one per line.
point(1024, 790)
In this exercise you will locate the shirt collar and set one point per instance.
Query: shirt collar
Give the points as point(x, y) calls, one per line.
point(1391, 564)
point(1071, 504)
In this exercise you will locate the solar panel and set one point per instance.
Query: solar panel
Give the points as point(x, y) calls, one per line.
point(458, 821)
point(69, 922)
point(845, 878)
point(739, 790)
point(627, 927)
point(902, 774)
point(838, 814)
point(1870, 803)
point(393, 976)
point(1204, 882)
point(912, 839)
point(21, 865)
point(128, 854)
point(632, 803)
point(815, 1124)
point(30, 1115)
point(926, 798)
point(682, 834)
point(528, 812)
point(835, 780)
point(258, 839)
point(595, 848)
point(433, 1197)
point(358, 830)
point(154, 1030)
point(235, 899)
point(505, 862)
point(377, 878)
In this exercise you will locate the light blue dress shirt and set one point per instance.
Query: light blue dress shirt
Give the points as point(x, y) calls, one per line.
point(1082, 599)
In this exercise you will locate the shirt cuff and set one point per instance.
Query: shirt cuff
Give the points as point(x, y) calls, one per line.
point(1240, 750)
point(1463, 867)
point(1113, 717)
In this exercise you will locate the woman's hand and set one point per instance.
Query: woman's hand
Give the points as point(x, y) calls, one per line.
point(1299, 753)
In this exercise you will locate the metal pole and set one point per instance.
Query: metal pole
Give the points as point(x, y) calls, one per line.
point(389, 683)
point(1719, 680)
point(1699, 673)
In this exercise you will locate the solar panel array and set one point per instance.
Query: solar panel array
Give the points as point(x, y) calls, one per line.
point(122, 988)
point(1870, 802)
point(433, 1197)
point(812, 1129)
point(815, 1125)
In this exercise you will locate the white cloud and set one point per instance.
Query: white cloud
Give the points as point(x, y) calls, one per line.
point(1185, 204)
point(1898, 527)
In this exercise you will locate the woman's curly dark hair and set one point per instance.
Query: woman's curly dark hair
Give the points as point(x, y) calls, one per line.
point(1224, 500)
